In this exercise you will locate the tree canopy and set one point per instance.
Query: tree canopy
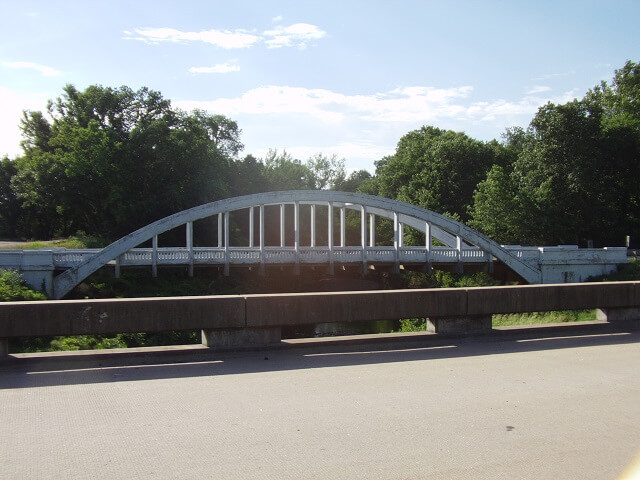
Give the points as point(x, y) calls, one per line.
point(109, 160)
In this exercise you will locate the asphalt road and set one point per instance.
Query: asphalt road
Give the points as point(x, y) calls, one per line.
point(516, 407)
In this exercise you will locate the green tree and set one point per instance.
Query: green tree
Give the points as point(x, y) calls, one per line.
point(328, 172)
point(436, 169)
point(283, 172)
point(9, 204)
point(497, 211)
point(355, 182)
point(107, 161)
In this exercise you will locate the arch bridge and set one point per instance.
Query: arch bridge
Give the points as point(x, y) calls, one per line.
point(460, 243)
point(309, 228)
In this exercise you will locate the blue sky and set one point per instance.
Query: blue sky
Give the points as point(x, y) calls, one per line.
point(348, 77)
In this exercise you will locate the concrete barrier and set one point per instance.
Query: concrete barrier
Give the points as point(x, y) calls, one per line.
point(82, 317)
point(229, 321)
point(310, 308)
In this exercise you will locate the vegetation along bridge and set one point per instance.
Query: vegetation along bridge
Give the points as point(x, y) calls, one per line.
point(306, 225)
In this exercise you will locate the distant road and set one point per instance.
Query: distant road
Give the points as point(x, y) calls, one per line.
point(515, 407)
point(11, 243)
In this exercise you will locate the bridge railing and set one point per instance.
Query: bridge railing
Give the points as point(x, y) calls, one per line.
point(62, 258)
point(67, 258)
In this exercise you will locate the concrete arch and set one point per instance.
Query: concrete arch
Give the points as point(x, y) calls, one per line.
point(445, 229)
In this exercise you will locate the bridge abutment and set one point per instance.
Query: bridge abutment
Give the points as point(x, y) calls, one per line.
point(4, 348)
point(241, 337)
point(459, 325)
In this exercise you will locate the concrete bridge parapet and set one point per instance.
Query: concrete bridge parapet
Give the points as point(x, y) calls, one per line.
point(256, 320)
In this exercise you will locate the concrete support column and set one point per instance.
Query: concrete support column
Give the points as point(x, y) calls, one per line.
point(460, 265)
point(363, 237)
point(37, 267)
point(343, 236)
point(428, 245)
point(154, 256)
point(459, 325)
point(313, 226)
point(118, 262)
point(489, 262)
point(330, 236)
point(372, 230)
point(251, 227)
point(189, 240)
point(4, 348)
point(241, 337)
point(282, 225)
point(261, 240)
point(396, 243)
point(618, 314)
point(220, 230)
point(401, 235)
point(226, 244)
point(296, 235)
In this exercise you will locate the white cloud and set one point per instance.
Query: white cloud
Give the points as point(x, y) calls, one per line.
point(549, 76)
point(13, 103)
point(277, 19)
point(408, 104)
point(221, 38)
point(43, 69)
point(363, 128)
point(219, 68)
point(296, 35)
point(538, 89)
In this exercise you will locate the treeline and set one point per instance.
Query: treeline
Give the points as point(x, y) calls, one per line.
point(572, 176)
point(106, 161)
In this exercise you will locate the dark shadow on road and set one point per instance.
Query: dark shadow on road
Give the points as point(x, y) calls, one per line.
point(30, 372)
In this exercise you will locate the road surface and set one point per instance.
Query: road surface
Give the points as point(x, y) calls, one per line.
point(516, 407)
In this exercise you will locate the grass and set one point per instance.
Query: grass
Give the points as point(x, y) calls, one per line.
point(75, 241)
point(537, 318)
point(514, 319)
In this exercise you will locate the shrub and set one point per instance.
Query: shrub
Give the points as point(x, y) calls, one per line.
point(13, 288)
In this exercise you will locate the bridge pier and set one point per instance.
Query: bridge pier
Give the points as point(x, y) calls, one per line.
point(618, 314)
point(241, 337)
point(459, 325)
